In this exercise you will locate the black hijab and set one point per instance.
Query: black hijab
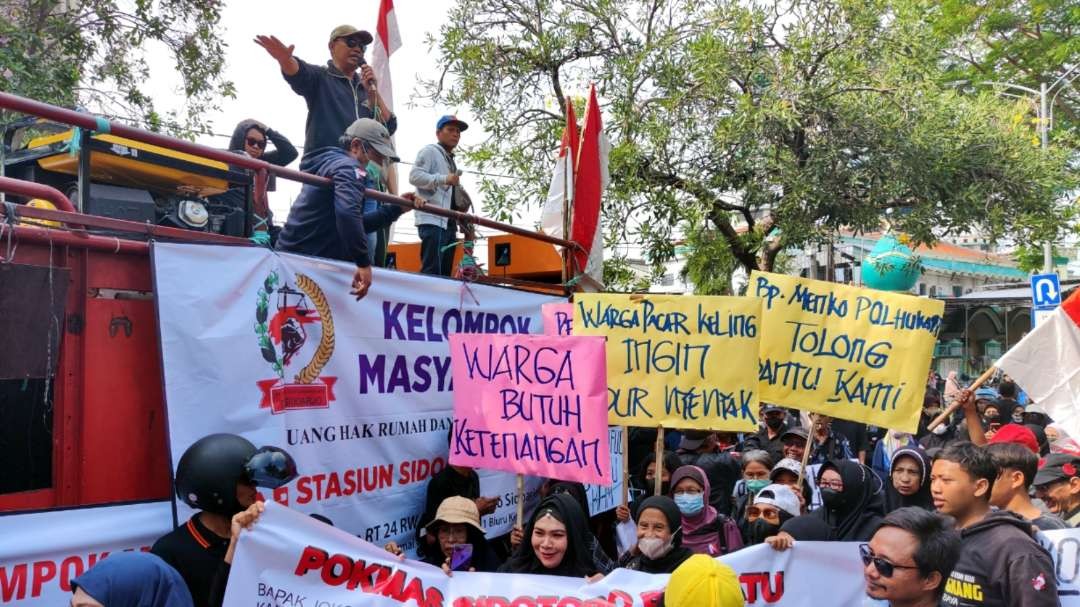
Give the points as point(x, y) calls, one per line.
point(863, 502)
point(674, 557)
point(1040, 436)
point(921, 498)
point(576, 562)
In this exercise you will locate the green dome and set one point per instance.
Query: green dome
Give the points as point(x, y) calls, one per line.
point(891, 266)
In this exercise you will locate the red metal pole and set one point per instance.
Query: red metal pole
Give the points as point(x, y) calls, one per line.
point(109, 244)
point(36, 190)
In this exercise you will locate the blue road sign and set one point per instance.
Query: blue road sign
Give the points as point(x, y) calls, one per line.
point(1045, 291)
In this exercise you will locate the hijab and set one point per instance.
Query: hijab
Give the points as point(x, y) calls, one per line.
point(678, 553)
point(1040, 436)
point(134, 579)
point(700, 530)
point(576, 562)
point(862, 502)
point(920, 498)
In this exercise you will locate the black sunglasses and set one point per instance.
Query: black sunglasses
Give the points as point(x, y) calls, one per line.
point(885, 568)
point(354, 43)
point(256, 143)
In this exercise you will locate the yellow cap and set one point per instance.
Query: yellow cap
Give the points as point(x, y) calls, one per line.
point(41, 203)
point(702, 581)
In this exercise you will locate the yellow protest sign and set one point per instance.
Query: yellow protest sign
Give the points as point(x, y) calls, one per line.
point(677, 362)
point(848, 352)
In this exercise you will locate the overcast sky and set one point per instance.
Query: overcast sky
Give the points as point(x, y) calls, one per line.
point(262, 94)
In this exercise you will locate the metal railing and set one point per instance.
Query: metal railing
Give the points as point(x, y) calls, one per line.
point(61, 115)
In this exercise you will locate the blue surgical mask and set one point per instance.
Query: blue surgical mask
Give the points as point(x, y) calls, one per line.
point(690, 503)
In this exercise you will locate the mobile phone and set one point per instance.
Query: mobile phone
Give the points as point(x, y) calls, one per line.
point(460, 557)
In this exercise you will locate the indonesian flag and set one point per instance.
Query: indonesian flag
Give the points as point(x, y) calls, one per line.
point(591, 177)
point(387, 40)
point(561, 190)
point(1046, 364)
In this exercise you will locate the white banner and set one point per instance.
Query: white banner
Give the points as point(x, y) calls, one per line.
point(272, 347)
point(41, 552)
point(1064, 546)
point(287, 556)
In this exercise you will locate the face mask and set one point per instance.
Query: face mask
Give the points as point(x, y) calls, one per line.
point(931, 413)
point(1018, 418)
point(753, 486)
point(665, 486)
point(690, 503)
point(761, 529)
point(654, 547)
point(774, 423)
point(940, 429)
point(374, 171)
point(832, 499)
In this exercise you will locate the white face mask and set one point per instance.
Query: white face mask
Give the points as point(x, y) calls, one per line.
point(654, 547)
point(940, 429)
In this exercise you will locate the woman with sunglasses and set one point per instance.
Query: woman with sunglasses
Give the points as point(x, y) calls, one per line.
point(251, 138)
point(772, 507)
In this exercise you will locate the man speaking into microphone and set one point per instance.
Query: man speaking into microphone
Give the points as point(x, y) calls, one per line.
point(337, 94)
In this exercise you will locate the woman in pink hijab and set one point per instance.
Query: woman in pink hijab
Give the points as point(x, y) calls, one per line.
point(704, 531)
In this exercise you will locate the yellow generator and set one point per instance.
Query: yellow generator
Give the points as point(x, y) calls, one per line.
point(111, 176)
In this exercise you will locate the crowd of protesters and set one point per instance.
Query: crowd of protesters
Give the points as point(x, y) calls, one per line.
point(949, 515)
point(941, 517)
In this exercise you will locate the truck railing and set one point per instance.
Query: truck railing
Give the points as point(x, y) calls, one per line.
point(95, 124)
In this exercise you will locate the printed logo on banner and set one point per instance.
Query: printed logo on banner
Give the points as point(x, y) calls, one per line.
point(295, 331)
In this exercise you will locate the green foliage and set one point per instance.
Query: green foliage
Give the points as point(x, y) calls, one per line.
point(752, 127)
point(92, 53)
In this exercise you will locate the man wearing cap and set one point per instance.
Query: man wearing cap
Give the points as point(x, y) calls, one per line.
point(436, 178)
point(337, 94)
point(794, 441)
point(330, 222)
point(1057, 484)
point(770, 437)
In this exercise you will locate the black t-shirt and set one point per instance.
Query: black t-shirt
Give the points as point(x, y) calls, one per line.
point(855, 433)
point(197, 553)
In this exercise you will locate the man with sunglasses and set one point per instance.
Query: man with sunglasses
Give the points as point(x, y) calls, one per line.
point(909, 558)
point(1000, 561)
point(337, 94)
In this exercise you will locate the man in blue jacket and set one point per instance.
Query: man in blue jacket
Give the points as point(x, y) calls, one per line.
point(342, 91)
point(331, 222)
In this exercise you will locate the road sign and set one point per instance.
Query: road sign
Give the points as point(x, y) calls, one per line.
point(1045, 291)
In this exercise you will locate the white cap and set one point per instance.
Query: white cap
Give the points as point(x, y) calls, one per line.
point(780, 496)
point(793, 466)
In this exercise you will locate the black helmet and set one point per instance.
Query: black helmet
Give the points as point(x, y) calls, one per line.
point(210, 469)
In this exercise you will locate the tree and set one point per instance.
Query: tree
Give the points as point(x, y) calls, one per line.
point(92, 53)
point(762, 127)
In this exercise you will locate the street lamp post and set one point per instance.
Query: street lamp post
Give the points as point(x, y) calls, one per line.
point(1044, 128)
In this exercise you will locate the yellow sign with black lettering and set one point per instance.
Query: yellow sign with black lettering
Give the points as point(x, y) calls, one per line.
point(677, 362)
point(848, 352)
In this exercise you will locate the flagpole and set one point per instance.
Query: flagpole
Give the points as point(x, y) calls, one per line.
point(567, 167)
point(957, 402)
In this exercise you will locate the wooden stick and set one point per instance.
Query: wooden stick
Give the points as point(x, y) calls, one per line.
point(956, 403)
point(626, 465)
point(658, 476)
point(806, 452)
point(521, 501)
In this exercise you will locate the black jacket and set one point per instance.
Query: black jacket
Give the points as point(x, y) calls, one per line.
point(760, 440)
point(330, 222)
point(283, 153)
point(1001, 565)
point(333, 101)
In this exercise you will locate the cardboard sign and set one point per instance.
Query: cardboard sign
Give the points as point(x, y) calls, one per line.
point(558, 318)
point(531, 404)
point(677, 362)
point(848, 352)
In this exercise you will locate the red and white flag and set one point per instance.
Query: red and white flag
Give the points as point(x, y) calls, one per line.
point(387, 40)
point(590, 179)
point(561, 190)
point(1046, 364)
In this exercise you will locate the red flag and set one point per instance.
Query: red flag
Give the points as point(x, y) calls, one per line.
point(387, 40)
point(588, 185)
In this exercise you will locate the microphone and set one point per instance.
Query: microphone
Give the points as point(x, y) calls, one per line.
point(374, 88)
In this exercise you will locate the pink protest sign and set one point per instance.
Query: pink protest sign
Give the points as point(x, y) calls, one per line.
point(558, 318)
point(531, 404)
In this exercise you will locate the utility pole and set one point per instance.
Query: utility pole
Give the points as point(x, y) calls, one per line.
point(1044, 139)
